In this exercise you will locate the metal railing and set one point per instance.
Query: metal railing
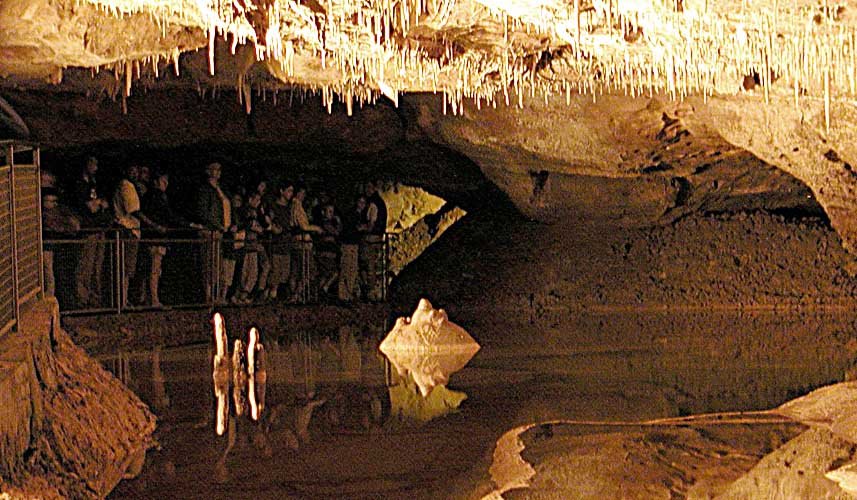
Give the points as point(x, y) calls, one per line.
point(109, 270)
point(21, 278)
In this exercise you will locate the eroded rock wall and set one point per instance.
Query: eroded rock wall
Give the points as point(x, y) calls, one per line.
point(85, 429)
point(614, 159)
point(795, 139)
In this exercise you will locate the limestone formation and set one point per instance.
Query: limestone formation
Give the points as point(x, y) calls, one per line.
point(428, 346)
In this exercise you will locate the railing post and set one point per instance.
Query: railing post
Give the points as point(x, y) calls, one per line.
point(385, 265)
point(37, 163)
point(218, 267)
point(120, 273)
point(10, 152)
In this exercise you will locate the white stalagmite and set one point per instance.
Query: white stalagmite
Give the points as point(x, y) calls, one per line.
point(428, 346)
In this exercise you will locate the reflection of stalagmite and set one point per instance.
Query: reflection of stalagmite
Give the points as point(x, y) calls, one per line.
point(220, 374)
point(303, 416)
point(221, 474)
point(220, 391)
point(428, 346)
point(239, 377)
point(406, 404)
point(258, 374)
point(160, 398)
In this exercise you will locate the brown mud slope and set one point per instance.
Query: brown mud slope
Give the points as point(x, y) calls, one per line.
point(739, 260)
point(94, 430)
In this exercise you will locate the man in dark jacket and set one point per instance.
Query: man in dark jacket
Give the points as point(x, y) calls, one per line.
point(156, 207)
point(213, 211)
point(58, 223)
point(94, 215)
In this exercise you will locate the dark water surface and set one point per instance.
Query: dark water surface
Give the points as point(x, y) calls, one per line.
point(338, 422)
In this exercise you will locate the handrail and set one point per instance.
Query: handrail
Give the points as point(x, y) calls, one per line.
point(199, 257)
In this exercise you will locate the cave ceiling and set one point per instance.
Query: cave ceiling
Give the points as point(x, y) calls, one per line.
point(586, 87)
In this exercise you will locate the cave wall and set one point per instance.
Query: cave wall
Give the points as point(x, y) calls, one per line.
point(796, 141)
point(609, 159)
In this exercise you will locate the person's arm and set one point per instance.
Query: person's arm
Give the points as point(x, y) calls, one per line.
point(303, 222)
point(372, 216)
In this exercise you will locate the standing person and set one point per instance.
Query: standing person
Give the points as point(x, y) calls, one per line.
point(156, 206)
point(214, 212)
point(372, 247)
point(92, 211)
point(281, 239)
point(233, 253)
point(328, 247)
point(352, 233)
point(250, 221)
point(263, 254)
point(126, 207)
point(300, 276)
point(57, 223)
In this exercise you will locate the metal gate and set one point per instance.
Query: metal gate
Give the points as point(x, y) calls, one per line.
point(21, 278)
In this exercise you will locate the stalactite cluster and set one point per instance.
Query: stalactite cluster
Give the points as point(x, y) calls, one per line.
point(490, 50)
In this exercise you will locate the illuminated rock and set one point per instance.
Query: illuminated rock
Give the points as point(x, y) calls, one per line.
point(221, 363)
point(428, 346)
point(833, 407)
point(220, 373)
point(846, 477)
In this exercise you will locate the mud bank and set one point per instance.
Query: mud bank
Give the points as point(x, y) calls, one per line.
point(734, 260)
point(84, 429)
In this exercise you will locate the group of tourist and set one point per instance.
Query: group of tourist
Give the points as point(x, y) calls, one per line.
point(258, 246)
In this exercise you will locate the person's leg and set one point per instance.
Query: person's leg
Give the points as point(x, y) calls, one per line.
point(227, 273)
point(374, 271)
point(85, 269)
point(210, 246)
point(48, 264)
point(295, 272)
point(249, 273)
point(348, 273)
point(279, 273)
point(130, 245)
point(157, 255)
point(264, 273)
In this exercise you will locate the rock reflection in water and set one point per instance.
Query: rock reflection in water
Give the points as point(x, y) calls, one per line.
point(428, 347)
point(248, 369)
point(407, 403)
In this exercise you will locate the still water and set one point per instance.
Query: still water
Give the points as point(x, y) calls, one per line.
point(334, 420)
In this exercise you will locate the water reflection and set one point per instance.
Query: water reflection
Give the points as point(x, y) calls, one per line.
point(340, 421)
point(408, 404)
point(248, 369)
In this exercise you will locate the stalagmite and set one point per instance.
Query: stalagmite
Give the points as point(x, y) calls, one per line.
point(428, 346)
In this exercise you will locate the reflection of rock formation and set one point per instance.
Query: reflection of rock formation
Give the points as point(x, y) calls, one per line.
point(405, 403)
point(257, 374)
point(160, 399)
point(239, 377)
point(428, 346)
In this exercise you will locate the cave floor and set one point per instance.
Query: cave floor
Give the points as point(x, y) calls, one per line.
point(595, 367)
